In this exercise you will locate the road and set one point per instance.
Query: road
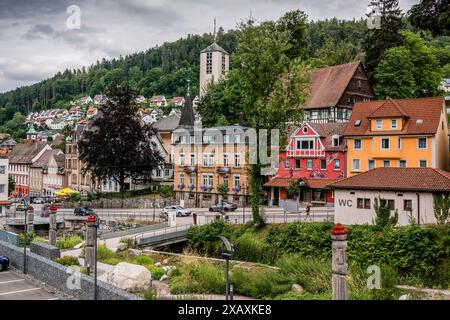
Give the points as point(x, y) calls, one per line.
point(14, 287)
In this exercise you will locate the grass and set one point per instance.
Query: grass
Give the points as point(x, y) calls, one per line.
point(68, 242)
point(68, 261)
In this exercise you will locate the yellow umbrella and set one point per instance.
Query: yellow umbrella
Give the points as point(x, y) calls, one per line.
point(68, 191)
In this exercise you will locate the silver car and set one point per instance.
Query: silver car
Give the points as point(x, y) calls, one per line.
point(181, 212)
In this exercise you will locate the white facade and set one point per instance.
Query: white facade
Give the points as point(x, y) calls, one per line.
point(347, 211)
point(213, 67)
point(3, 182)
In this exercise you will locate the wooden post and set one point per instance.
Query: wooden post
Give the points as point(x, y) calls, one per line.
point(30, 219)
point(89, 258)
point(52, 229)
point(339, 262)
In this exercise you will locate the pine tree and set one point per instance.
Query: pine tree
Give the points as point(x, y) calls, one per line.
point(378, 40)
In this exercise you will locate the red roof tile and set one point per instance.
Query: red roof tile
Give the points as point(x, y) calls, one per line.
point(328, 84)
point(398, 179)
point(428, 110)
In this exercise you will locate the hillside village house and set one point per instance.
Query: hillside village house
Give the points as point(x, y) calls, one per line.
point(397, 133)
point(165, 128)
point(21, 158)
point(178, 101)
point(205, 159)
point(158, 101)
point(4, 186)
point(315, 155)
point(334, 91)
point(408, 190)
point(156, 115)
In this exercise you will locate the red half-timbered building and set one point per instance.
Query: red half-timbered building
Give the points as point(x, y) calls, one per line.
point(315, 157)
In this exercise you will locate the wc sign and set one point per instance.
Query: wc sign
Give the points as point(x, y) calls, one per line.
point(345, 203)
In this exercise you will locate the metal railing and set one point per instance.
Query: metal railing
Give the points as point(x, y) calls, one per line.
point(161, 234)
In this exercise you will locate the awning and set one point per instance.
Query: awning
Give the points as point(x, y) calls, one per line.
point(278, 182)
point(310, 183)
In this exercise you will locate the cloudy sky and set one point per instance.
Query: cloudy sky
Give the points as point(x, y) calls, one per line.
point(35, 41)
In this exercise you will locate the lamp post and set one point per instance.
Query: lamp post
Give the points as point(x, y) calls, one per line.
point(25, 204)
point(244, 202)
point(227, 255)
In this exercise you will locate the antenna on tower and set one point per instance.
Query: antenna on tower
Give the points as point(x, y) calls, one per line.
point(215, 34)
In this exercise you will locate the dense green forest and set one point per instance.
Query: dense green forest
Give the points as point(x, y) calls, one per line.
point(165, 69)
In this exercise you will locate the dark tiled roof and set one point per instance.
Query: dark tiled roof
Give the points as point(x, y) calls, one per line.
point(398, 179)
point(43, 159)
point(214, 47)
point(25, 152)
point(328, 84)
point(167, 124)
point(429, 110)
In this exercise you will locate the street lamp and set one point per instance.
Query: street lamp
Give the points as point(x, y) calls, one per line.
point(25, 228)
point(227, 255)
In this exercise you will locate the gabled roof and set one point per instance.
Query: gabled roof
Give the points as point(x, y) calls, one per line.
point(328, 84)
point(390, 108)
point(157, 98)
point(187, 119)
point(167, 124)
point(398, 179)
point(424, 115)
point(43, 160)
point(25, 152)
point(214, 47)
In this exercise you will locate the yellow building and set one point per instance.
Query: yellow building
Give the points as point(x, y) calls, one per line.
point(397, 133)
point(206, 160)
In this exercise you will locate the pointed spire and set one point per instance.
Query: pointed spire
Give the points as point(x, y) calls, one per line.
point(215, 33)
point(187, 119)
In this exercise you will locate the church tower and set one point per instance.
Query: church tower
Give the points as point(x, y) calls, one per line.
point(214, 64)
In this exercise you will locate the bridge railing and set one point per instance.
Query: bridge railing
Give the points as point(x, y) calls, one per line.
point(161, 234)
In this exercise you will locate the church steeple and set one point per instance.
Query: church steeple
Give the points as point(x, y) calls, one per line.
point(187, 119)
point(214, 63)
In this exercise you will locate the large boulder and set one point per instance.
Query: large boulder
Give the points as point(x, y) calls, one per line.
point(127, 276)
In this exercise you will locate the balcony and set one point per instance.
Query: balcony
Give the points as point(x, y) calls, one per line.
point(190, 169)
point(306, 153)
point(223, 170)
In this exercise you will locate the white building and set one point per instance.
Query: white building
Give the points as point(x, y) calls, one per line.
point(214, 64)
point(4, 180)
point(410, 191)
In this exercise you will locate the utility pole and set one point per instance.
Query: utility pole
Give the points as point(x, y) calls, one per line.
point(25, 237)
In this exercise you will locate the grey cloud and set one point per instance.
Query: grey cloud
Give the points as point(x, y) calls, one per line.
point(38, 31)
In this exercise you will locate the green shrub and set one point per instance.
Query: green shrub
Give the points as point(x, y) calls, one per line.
point(104, 253)
point(40, 239)
point(156, 272)
point(312, 274)
point(304, 296)
point(68, 261)
point(68, 242)
point(251, 247)
point(30, 238)
point(143, 260)
point(149, 294)
point(198, 277)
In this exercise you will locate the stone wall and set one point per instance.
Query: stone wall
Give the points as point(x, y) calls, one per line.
point(59, 276)
point(45, 250)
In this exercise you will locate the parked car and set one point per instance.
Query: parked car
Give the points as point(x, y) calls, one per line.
point(224, 205)
point(181, 212)
point(38, 201)
point(4, 263)
point(83, 211)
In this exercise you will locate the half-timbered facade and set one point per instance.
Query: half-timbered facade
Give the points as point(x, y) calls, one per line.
point(315, 154)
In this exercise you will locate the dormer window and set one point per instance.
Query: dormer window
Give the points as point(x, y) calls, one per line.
point(335, 141)
point(357, 123)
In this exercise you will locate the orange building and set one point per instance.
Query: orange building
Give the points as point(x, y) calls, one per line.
point(397, 133)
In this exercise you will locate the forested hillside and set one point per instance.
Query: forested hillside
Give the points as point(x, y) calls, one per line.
point(165, 69)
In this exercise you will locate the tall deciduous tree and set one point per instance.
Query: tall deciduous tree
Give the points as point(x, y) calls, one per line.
point(119, 146)
point(271, 85)
point(394, 76)
point(432, 15)
point(378, 40)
